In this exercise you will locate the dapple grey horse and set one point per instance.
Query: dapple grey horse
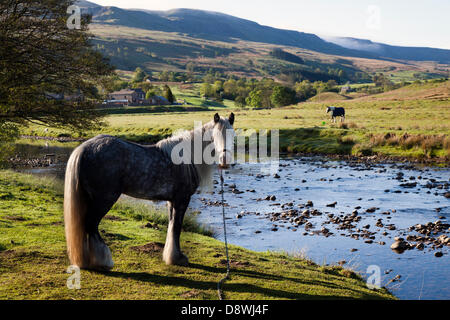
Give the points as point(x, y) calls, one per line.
point(336, 112)
point(104, 167)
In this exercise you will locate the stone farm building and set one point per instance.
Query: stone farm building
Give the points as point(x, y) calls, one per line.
point(133, 96)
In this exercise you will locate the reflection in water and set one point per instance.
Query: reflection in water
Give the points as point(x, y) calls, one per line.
point(42, 156)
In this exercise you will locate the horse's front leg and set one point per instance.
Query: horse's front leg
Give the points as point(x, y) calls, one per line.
point(172, 254)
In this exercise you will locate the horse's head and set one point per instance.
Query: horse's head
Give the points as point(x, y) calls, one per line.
point(223, 137)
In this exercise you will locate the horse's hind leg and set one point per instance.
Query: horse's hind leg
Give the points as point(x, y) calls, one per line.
point(100, 257)
point(172, 253)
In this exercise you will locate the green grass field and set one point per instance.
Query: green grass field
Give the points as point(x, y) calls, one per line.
point(33, 260)
point(411, 75)
point(192, 97)
point(412, 122)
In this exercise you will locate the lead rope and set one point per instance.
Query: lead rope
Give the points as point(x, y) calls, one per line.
point(227, 276)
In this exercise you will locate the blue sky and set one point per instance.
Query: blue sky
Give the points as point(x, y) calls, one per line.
point(398, 22)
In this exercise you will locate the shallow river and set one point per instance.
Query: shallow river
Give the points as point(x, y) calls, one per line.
point(418, 274)
point(422, 274)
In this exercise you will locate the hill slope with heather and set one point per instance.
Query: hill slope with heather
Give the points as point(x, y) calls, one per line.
point(168, 40)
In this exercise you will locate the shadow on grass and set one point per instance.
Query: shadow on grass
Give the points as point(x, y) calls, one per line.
point(151, 109)
point(272, 277)
point(215, 104)
point(230, 287)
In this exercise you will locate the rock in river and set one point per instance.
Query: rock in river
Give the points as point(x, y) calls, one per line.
point(399, 246)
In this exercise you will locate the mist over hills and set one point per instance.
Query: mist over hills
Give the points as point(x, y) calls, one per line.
point(390, 51)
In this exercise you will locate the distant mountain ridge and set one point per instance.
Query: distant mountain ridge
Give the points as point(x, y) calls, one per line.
point(222, 27)
point(395, 52)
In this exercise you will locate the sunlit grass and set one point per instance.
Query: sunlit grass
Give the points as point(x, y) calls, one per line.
point(33, 258)
point(306, 127)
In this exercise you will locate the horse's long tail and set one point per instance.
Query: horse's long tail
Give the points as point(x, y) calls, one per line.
point(75, 209)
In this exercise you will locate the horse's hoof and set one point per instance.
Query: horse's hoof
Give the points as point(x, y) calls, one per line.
point(179, 260)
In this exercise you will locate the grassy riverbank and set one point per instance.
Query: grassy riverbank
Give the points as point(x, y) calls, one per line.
point(33, 259)
point(411, 122)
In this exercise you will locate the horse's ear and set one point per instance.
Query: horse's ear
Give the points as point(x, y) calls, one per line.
point(216, 118)
point(231, 118)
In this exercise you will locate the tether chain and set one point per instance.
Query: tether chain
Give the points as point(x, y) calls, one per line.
point(227, 276)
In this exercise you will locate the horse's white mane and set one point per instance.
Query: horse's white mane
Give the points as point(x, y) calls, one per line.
point(169, 143)
point(204, 171)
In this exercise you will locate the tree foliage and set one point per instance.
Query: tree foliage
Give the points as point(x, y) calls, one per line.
point(255, 98)
point(139, 75)
point(168, 94)
point(283, 55)
point(8, 133)
point(305, 90)
point(152, 91)
point(282, 96)
point(43, 60)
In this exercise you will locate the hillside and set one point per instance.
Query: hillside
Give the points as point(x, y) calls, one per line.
point(328, 97)
point(129, 48)
point(168, 40)
point(222, 27)
point(429, 91)
point(423, 91)
point(213, 26)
